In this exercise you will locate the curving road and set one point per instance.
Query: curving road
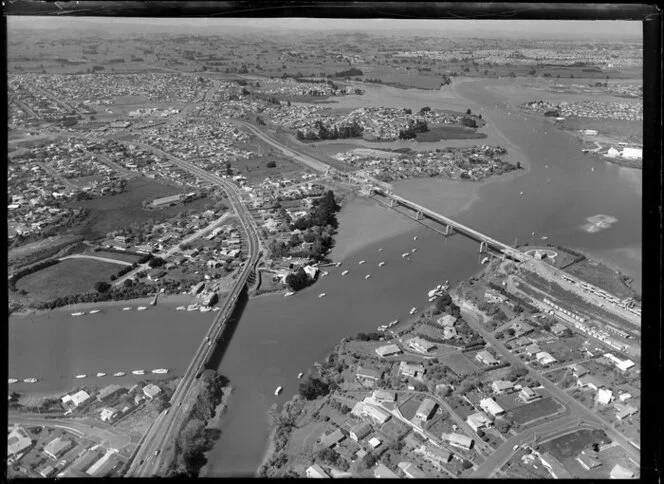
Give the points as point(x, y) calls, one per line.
point(94, 257)
point(147, 461)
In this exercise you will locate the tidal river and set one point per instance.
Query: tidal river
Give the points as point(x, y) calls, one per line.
point(278, 337)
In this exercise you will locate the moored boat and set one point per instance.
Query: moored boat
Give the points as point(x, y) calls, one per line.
point(485, 260)
point(289, 293)
point(405, 254)
point(338, 264)
point(192, 307)
point(299, 375)
point(205, 309)
point(141, 308)
point(278, 391)
point(414, 250)
point(12, 380)
point(119, 373)
point(138, 372)
point(78, 313)
point(324, 273)
point(126, 309)
point(30, 380)
point(180, 308)
point(392, 323)
point(367, 276)
point(322, 294)
point(362, 262)
point(100, 374)
point(413, 310)
point(344, 272)
point(380, 250)
point(94, 311)
point(81, 376)
point(415, 237)
point(160, 371)
point(381, 264)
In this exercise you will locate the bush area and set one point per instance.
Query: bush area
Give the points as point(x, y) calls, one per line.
point(194, 439)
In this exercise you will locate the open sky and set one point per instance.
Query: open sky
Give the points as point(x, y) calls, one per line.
point(565, 29)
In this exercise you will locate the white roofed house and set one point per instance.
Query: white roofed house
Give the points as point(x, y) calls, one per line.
point(108, 413)
point(421, 345)
point(413, 370)
point(486, 358)
point(460, 440)
point(367, 377)
point(151, 391)
point(478, 421)
point(317, 472)
point(388, 350)
point(490, 406)
point(426, 409)
point(545, 359)
point(501, 386)
point(604, 396)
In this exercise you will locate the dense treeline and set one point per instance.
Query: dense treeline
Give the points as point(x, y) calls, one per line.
point(29, 270)
point(348, 73)
point(194, 440)
point(322, 132)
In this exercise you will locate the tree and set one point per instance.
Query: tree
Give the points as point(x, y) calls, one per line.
point(271, 164)
point(469, 112)
point(425, 110)
point(156, 262)
point(102, 286)
point(313, 388)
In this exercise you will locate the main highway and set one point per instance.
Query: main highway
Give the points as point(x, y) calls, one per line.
point(147, 461)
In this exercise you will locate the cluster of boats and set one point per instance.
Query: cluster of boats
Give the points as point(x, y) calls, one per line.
point(157, 371)
point(385, 327)
point(279, 388)
point(25, 380)
point(81, 313)
point(196, 307)
point(438, 291)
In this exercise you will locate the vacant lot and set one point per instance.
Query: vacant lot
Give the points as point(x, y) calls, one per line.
point(571, 444)
point(118, 211)
point(601, 276)
point(409, 408)
point(538, 409)
point(460, 364)
point(71, 276)
point(441, 132)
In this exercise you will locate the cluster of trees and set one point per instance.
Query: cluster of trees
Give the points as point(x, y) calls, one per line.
point(348, 73)
point(414, 127)
point(368, 336)
point(322, 132)
point(312, 388)
point(298, 280)
point(195, 439)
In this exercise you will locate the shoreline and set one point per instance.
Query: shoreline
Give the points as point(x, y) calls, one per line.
point(163, 299)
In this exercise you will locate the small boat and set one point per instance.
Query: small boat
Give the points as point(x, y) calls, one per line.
point(289, 293)
point(119, 373)
point(100, 374)
point(413, 310)
point(79, 313)
point(367, 276)
point(278, 391)
point(344, 272)
point(544, 237)
point(192, 307)
point(94, 311)
point(30, 380)
point(160, 371)
point(381, 264)
point(532, 233)
point(12, 380)
point(338, 264)
point(405, 254)
point(380, 250)
point(126, 309)
point(322, 294)
point(324, 273)
point(414, 250)
point(520, 193)
point(362, 262)
point(180, 308)
point(215, 309)
point(415, 238)
point(138, 372)
point(485, 260)
point(299, 375)
point(592, 168)
point(141, 308)
point(81, 376)
point(392, 323)
point(205, 309)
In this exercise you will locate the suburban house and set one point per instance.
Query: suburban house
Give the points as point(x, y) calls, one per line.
point(625, 411)
point(367, 377)
point(589, 381)
point(486, 358)
point(316, 471)
point(421, 345)
point(578, 371)
point(478, 421)
point(108, 413)
point(558, 329)
point(437, 454)
point(383, 396)
point(55, 448)
point(374, 442)
point(333, 438)
point(426, 409)
point(528, 395)
point(388, 350)
point(554, 466)
point(587, 461)
point(17, 441)
point(413, 370)
point(363, 409)
point(151, 391)
point(360, 431)
point(532, 349)
point(448, 320)
point(73, 401)
point(411, 471)
point(490, 406)
point(620, 472)
point(545, 358)
point(382, 472)
point(502, 386)
point(460, 440)
point(604, 396)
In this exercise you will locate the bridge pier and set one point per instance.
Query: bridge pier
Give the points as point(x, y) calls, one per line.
point(419, 215)
point(449, 230)
point(392, 202)
point(483, 246)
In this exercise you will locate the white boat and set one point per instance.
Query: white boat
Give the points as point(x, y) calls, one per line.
point(415, 238)
point(485, 260)
point(100, 374)
point(94, 311)
point(289, 293)
point(180, 308)
point(324, 273)
point(380, 250)
point(160, 371)
point(30, 380)
point(520, 193)
point(544, 237)
point(405, 254)
point(119, 373)
point(392, 323)
point(362, 262)
point(367, 276)
point(414, 250)
point(79, 313)
point(80, 376)
point(192, 307)
point(322, 294)
point(12, 380)
point(381, 328)
point(141, 308)
point(126, 309)
point(138, 372)
point(344, 272)
point(278, 391)
point(413, 310)
point(299, 375)
point(205, 309)
point(381, 264)
point(338, 264)
point(432, 299)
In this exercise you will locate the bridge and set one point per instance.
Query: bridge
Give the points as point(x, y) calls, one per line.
point(147, 461)
point(451, 225)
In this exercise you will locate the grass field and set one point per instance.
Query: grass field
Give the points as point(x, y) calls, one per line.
point(538, 409)
point(117, 256)
point(571, 444)
point(409, 408)
point(118, 211)
point(70, 276)
point(601, 276)
point(460, 364)
point(441, 132)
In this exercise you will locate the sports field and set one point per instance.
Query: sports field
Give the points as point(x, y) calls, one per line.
point(537, 409)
